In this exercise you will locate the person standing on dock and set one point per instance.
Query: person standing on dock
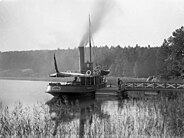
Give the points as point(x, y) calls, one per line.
point(119, 83)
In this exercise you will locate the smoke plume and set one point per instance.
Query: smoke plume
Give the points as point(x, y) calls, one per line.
point(101, 10)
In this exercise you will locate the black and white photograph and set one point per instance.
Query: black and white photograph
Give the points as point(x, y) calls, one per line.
point(91, 68)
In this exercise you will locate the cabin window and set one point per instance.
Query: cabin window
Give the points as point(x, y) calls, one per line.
point(83, 80)
point(96, 80)
point(87, 65)
point(92, 81)
point(88, 80)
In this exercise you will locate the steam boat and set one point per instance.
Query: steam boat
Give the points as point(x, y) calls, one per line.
point(85, 83)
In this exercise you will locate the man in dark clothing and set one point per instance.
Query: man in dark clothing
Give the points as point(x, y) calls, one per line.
point(75, 81)
point(119, 83)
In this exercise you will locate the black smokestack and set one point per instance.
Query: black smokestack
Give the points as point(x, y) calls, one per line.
point(82, 58)
point(101, 9)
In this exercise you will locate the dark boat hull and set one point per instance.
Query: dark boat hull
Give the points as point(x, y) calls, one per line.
point(73, 95)
point(76, 91)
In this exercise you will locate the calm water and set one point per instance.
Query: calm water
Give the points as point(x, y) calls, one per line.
point(102, 115)
point(26, 92)
point(31, 92)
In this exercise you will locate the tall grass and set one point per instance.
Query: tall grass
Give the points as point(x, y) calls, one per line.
point(25, 122)
point(156, 117)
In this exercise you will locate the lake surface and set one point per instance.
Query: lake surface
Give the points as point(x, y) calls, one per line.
point(26, 92)
point(100, 116)
point(30, 93)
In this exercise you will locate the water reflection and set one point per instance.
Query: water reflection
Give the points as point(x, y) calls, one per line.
point(100, 116)
point(68, 109)
point(111, 116)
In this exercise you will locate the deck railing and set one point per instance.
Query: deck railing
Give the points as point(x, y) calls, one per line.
point(151, 86)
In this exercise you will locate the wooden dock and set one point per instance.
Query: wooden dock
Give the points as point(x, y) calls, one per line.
point(142, 89)
point(113, 91)
point(151, 86)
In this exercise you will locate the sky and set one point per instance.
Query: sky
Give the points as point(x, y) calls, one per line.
point(52, 24)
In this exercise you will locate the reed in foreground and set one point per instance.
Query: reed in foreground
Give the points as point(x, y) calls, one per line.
point(141, 118)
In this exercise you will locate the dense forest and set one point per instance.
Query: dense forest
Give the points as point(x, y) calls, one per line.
point(166, 60)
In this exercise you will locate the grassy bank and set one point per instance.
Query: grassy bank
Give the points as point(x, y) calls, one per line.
point(141, 118)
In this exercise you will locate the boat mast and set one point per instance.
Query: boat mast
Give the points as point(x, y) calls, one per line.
point(89, 38)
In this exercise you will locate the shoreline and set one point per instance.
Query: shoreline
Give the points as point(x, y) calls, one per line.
point(27, 78)
point(110, 79)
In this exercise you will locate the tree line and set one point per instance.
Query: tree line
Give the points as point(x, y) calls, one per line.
point(166, 60)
